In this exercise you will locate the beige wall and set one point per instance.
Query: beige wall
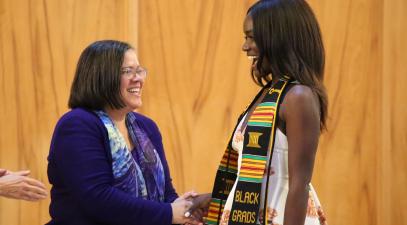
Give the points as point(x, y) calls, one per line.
point(198, 83)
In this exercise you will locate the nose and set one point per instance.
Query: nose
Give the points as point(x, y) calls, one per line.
point(140, 75)
point(136, 78)
point(245, 47)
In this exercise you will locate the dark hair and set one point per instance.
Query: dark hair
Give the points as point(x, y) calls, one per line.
point(289, 40)
point(97, 78)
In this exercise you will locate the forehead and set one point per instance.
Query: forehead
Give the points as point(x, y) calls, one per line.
point(248, 24)
point(130, 58)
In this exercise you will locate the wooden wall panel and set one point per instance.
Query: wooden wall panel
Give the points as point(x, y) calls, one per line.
point(40, 43)
point(349, 152)
point(393, 157)
point(199, 82)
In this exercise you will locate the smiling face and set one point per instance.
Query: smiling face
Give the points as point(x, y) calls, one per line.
point(131, 83)
point(249, 45)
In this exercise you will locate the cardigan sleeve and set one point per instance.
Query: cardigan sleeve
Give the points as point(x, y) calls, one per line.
point(154, 133)
point(79, 152)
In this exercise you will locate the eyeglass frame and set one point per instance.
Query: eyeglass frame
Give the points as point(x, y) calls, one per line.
point(130, 72)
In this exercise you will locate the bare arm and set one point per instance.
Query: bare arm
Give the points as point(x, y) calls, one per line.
point(301, 113)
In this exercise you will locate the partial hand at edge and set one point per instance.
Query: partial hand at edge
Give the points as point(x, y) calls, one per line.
point(18, 185)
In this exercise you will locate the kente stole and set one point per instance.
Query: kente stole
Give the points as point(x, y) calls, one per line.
point(258, 141)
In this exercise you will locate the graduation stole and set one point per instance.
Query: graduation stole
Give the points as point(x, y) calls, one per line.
point(258, 141)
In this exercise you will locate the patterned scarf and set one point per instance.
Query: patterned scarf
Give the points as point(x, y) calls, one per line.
point(258, 141)
point(140, 172)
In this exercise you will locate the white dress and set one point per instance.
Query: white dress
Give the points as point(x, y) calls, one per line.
point(278, 188)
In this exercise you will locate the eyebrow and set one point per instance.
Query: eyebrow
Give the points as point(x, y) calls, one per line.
point(248, 31)
point(131, 67)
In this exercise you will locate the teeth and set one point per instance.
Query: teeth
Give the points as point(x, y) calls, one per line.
point(252, 57)
point(134, 90)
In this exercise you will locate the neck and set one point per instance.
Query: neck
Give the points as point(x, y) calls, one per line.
point(275, 79)
point(117, 115)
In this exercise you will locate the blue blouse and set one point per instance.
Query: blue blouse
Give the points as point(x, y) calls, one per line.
point(80, 171)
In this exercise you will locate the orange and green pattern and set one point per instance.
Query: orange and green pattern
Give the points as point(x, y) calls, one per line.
point(215, 209)
point(252, 168)
point(263, 115)
point(229, 161)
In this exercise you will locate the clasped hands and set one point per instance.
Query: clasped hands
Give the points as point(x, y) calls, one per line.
point(190, 208)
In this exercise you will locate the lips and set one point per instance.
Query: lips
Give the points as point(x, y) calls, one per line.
point(135, 90)
point(254, 61)
point(254, 69)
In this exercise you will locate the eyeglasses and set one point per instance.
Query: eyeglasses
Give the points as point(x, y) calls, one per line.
point(130, 72)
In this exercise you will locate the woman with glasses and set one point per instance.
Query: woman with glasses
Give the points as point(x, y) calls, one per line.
point(106, 162)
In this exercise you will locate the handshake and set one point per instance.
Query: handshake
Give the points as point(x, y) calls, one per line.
point(190, 208)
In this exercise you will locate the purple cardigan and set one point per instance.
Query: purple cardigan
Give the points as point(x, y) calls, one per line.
point(80, 171)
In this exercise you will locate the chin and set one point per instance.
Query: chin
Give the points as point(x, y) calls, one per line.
point(133, 104)
point(136, 105)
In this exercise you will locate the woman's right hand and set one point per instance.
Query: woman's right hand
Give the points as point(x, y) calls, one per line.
point(180, 206)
